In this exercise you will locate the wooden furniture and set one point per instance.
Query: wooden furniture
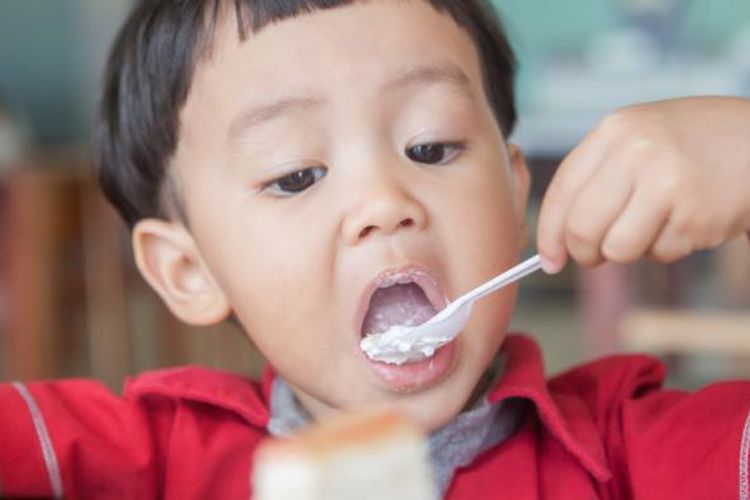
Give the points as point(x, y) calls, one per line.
point(686, 332)
point(720, 328)
point(60, 250)
point(71, 300)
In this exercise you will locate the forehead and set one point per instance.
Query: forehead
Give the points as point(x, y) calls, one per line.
point(364, 41)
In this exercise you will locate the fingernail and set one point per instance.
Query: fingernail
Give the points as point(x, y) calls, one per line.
point(549, 266)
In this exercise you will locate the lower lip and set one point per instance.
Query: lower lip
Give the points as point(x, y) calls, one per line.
point(418, 375)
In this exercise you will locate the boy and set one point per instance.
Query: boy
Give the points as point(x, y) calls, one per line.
point(307, 167)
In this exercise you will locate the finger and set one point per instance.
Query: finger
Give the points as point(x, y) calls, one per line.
point(671, 244)
point(572, 174)
point(637, 228)
point(595, 209)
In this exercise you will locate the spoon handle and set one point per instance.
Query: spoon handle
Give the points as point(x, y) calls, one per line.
point(513, 274)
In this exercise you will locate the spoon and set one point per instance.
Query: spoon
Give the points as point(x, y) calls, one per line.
point(401, 344)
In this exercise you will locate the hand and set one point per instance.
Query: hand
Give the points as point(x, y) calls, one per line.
point(657, 180)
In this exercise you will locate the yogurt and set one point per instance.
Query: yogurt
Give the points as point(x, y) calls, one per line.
point(399, 345)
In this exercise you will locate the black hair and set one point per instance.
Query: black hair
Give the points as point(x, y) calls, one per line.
point(151, 66)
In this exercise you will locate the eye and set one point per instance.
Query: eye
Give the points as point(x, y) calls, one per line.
point(434, 153)
point(297, 181)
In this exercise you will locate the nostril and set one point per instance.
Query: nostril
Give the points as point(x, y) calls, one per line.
point(366, 231)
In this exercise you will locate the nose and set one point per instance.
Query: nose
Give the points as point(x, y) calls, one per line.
point(383, 207)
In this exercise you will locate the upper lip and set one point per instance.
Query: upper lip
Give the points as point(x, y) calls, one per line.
point(407, 274)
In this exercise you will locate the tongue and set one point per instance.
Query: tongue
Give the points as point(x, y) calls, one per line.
point(404, 305)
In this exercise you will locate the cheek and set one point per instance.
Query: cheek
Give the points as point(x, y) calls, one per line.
point(494, 238)
point(484, 222)
point(278, 299)
point(269, 267)
point(277, 281)
point(483, 240)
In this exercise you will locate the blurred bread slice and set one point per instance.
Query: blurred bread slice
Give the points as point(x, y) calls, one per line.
point(378, 456)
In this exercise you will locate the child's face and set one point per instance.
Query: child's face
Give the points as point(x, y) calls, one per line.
point(302, 185)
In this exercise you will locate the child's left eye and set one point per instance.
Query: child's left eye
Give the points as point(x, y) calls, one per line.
point(434, 153)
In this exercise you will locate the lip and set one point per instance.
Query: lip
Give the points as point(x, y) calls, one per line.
point(415, 376)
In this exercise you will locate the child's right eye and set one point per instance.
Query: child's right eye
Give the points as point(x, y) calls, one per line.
point(296, 182)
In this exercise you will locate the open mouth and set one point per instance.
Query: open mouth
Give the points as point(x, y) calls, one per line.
point(408, 297)
point(398, 304)
point(404, 298)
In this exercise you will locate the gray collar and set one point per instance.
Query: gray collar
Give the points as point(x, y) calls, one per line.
point(454, 446)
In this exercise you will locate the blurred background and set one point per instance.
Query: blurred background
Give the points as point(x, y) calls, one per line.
point(72, 304)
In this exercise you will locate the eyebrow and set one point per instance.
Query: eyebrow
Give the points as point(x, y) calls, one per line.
point(429, 74)
point(445, 73)
point(269, 111)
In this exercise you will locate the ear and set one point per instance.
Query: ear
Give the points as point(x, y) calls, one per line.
point(169, 260)
point(522, 183)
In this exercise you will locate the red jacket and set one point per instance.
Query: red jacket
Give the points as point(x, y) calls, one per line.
point(604, 430)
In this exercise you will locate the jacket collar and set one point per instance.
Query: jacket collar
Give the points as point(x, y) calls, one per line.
point(524, 377)
point(229, 391)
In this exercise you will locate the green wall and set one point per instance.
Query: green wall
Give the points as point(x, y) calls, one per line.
point(538, 26)
point(44, 58)
point(38, 65)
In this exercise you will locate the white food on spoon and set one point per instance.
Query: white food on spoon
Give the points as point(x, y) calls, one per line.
point(397, 347)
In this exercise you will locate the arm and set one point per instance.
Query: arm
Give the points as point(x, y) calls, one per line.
point(664, 444)
point(658, 180)
point(73, 439)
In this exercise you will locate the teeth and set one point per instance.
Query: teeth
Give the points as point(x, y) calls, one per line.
point(388, 282)
point(395, 280)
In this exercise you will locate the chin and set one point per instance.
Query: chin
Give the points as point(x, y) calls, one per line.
point(434, 405)
point(433, 415)
point(435, 408)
